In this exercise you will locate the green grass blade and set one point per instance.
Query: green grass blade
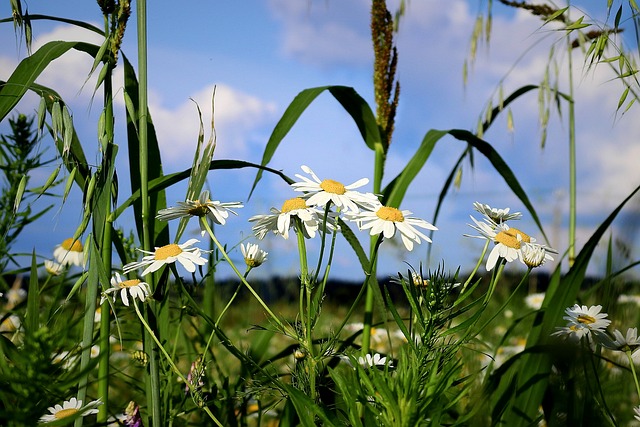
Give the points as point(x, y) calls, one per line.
point(159, 229)
point(353, 103)
point(502, 168)
point(33, 299)
point(395, 191)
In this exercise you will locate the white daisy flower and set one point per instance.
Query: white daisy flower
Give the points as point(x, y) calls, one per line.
point(369, 361)
point(53, 268)
point(632, 299)
point(69, 252)
point(133, 287)
point(72, 409)
point(215, 210)
point(583, 321)
point(508, 241)
point(534, 301)
point(627, 342)
point(10, 323)
point(186, 255)
point(320, 192)
point(636, 412)
point(495, 216)
point(15, 295)
point(280, 221)
point(386, 220)
point(534, 254)
point(253, 255)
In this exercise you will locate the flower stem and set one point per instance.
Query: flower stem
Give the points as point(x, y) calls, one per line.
point(273, 317)
point(169, 360)
point(368, 302)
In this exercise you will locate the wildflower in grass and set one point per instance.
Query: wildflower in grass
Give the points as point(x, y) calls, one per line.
point(320, 192)
point(132, 287)
point(253, 255)
point(53, 268)
point(534, 255)
point(628, 342)
point(215, 210)
point(71, 409)
point(195, 382)
point(131, 416)
point(535, 300)
point(629, 299)
point(15, 295)
point(10, 323)
point(369, 361)
point(186, 255)
point(583, 322)
point(69, 252)
point(507, 241)
point(636, 411)
point(386, 220)
point(280, 221)
point(495, 216)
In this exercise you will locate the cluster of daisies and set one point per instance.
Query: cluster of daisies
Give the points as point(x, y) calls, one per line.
point(510, 243)
point(308, 213)
point(589, 326)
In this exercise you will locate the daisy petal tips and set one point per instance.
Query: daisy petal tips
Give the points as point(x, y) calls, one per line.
point(186, 255)
point(386, 220)
point(320, 192)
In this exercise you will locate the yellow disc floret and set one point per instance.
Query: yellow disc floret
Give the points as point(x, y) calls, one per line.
point(293, 204)
point(167, 251)
point(64, 413)
point(509, 238)
point(388, 213)
point(331, 186)
point(129, 283)
point(72, 245)
point(586, 319)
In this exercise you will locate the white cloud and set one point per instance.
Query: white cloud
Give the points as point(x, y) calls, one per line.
point(238, 116)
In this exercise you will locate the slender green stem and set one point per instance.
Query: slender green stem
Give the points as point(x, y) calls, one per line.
point(633, 371)
point(572, 160)
point(508, 300)
point(169, 360)
point(475, 269)
point(233, 297)
point(222, 251)
point(368, 301)
point(89, 315)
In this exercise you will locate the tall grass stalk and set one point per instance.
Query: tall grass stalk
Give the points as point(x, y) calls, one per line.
point(153, 383)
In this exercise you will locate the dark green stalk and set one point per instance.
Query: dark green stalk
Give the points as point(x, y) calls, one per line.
point(153, 390)
point(572, 161)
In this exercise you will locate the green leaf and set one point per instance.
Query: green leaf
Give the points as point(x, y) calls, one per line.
point(502, 168)
point(353, 103)
point(395, 191)
point(159, 229)
point(33, 299)
point(28, 71)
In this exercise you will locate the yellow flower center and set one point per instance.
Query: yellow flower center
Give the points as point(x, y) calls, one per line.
point(331, 186)
point(293, 204)
point(167, 251)
point(586, 319)
point(390, 214)
point(198, 210)
point(508, 238)
point(129, 283)
point(65, 413)
point(71, 245)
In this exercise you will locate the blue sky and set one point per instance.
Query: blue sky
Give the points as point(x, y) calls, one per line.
point(260, 54)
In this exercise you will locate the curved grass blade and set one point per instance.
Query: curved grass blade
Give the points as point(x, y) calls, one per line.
point(350, 100)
